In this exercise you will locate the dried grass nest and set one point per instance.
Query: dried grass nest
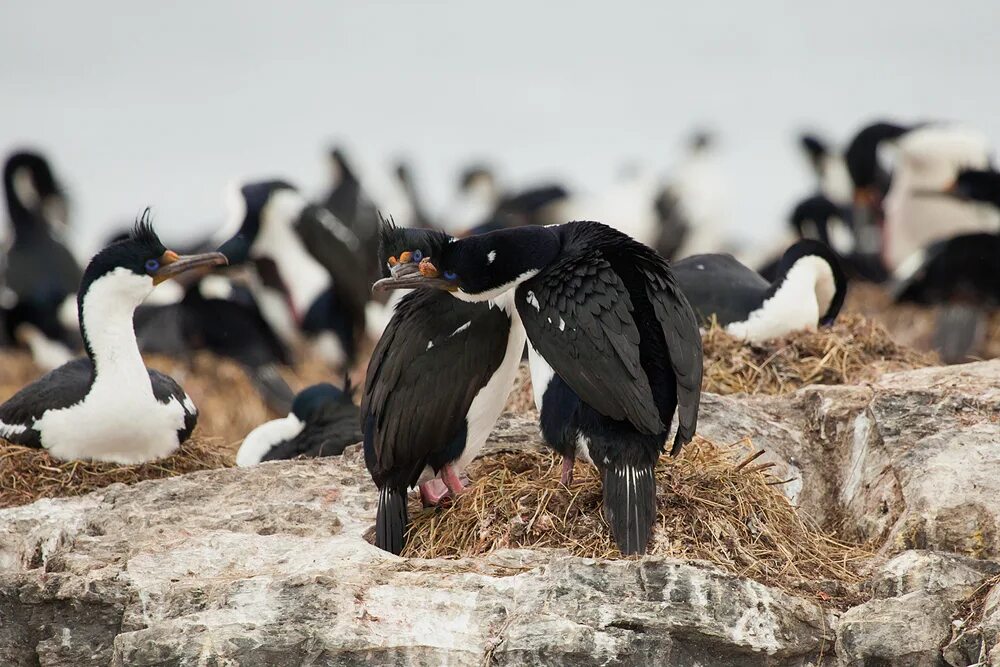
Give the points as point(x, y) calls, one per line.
point(715, 503)
point(28, 474)
point(853, 350)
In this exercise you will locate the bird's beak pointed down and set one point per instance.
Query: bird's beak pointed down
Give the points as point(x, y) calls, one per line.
point(410, 275)
point(172, 264)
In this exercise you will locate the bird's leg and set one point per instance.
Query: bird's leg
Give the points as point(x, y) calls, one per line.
point(567, 470)
point(451, 480)
point(432, 492)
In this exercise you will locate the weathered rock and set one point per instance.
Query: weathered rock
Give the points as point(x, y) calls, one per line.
point(906, 631)
point(268, 566)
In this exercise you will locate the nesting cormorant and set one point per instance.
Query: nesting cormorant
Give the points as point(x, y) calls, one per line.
point(809, 290)
point(605, 313)
point(437, 382)
point(108, 406)
point(323, 421)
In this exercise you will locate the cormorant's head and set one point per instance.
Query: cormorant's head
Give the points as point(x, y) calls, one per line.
point(252, 207)
point(480, 268)
point(820, 219)
point(309, 402)
point(861, 156)
point(977, 185)
point(401, 249)
point(31, 186)
point(133, 266)
point(825, 265)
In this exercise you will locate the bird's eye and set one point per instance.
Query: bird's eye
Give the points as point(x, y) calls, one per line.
point(450, 275)
point(152, 265)
point(417, 255)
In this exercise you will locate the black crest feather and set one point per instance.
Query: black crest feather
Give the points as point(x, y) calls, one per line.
point(144, 233)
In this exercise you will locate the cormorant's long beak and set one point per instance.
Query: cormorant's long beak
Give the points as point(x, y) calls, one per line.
point(410, 275)
point(172, 264)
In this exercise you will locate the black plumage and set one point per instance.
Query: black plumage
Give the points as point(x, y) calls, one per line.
point(41, 272)
point(323, 421)
point(435, 356)
point(605, 313)
point(720, 287)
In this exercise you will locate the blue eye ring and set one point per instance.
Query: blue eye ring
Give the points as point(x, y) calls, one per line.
point(417, 255)
point(152, 265)
point(450, 275)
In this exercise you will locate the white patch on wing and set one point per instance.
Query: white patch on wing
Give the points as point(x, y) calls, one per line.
point(583, 448)
point(491, 256)
point(541, 375)
point(489, 401)
point(119, 420)
point(803, 297)
point(430, 344)
point(460, 329)
point(189, 405)
point(562, 324)
point(7, 430)
point(260, 440)
point(533, 300)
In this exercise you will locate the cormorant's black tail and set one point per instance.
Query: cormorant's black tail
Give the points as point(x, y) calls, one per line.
point(630, 505)
point(271, 387)
point(959, 329)
point(391, 520)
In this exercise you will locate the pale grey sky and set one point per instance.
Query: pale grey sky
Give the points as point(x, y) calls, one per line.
point(162, 104)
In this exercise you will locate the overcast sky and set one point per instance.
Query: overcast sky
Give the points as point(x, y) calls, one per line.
point(162, 104)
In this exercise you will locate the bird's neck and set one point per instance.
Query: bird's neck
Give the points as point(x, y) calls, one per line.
point(303, 277)
point(797, 300)
point(106, 311)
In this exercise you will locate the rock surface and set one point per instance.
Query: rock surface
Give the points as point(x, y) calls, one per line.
point(268, 565)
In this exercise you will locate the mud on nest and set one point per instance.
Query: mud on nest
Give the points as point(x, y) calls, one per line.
point(714, 503)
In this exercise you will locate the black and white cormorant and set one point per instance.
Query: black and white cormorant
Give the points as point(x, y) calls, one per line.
point(108, 406)
point(348, 201)
point(809, 290)
point(605, 313)
point(312, 282)
point(323, 421)
point(41, 273)
point(437, 382)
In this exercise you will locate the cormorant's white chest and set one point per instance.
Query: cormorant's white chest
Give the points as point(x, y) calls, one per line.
point(119, 419)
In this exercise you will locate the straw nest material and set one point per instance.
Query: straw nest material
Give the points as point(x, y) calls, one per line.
point(28, 474)
point(715, 503)
point(853, 350)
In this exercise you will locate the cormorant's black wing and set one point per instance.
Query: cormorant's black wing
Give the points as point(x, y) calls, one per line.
point(166, 389)
point(680, 330)
point(334, 245)
point(434, 357)
point(719, 285)
point(60, 388)
point(578, 316)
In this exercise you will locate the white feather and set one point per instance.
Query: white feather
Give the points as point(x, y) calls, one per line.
point(120, 419)
point(260, 440)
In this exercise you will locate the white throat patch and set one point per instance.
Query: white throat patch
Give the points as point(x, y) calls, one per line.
point(491, 295)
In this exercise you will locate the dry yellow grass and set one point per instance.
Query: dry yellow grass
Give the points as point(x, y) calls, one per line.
point(28, 474)
point(853, 350)
point(715, 503)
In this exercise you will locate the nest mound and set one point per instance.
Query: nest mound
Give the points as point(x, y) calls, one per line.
point(714, 503)
point(27, 474)
point(853, 350)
